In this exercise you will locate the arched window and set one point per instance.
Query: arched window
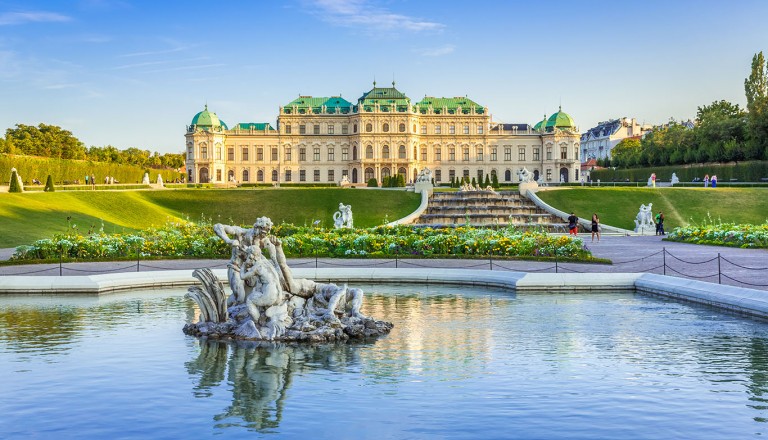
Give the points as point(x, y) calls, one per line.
point(369, 127)
point(414, 128)
point(401, 128)
point(402, 171)
point(274, 175)
point(415, 153)
point(354, 128)
point(415, 174)
point(368, 174)
point(246, 176)
point(369, 152)
point(354, 152)
point(230, 176)
point(385, 172)
point(204, 175)
point(401, 152)
point(260, 176)
point(385, 127)
point(507, 176)
point(385, 152)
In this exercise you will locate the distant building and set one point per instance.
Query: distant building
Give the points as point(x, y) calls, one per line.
point(382, 134)
point(597, 142)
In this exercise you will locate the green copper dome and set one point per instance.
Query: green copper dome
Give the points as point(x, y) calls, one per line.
point(208, 120)
point(560, 120)
point(541, 124)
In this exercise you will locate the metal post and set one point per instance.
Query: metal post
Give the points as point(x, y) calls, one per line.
point(664, 258)
point(61, 257)
point(395, 264)
point(719, 281)
point(490, 263)
point(555, 263)
point(138, 257)
point(315, 258)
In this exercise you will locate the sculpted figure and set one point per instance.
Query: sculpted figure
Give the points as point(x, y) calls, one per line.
point(343, 217)
point(524, 175)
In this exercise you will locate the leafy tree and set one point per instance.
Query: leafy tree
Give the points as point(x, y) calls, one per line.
point(494, 180)
point(49, 184)
point(756, 89)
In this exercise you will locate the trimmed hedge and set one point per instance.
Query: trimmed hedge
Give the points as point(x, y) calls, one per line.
point(751, 171)
point(49, 184)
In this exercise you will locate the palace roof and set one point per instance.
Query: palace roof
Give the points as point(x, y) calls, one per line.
point(206, 120)
point(255, 126)
point(312, 104)
point(450, 105)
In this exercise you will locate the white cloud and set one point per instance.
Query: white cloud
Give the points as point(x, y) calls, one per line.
point(11, 18)
point(360, 14)
point(436, 51)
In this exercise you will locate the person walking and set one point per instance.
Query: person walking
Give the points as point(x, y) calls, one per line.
point(573, 224)
point(595, 227)
point(660, 223)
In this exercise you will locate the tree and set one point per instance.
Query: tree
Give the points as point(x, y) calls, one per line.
point(487, 182)
point(494, 180)
point(49, 184)
point(756, 89)
point(373, 183)
point(14, 186)
point(474, 182)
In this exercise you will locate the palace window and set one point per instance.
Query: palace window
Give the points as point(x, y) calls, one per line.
point(438, 154)
point(302, 175)
point(344, 128)
point(466, 129)
point(368, 174)
point(260, 175)
point(424, 129)
point(245, 154)
point(369, 152)
point(330, 176)
point(354, 128)
point(385, 127)
point(246, 175)
point(479, 154)
point(287, 175)
point(302, 154)
point(465, 155)
point(465, 173)
point(218, 153)
point(316, 154)
point(424, 154)
point(230, 154)
point(563, 152)
point(401, 152)
point(345, 173)
point(316, 129)
point(507, 175)
point(401, 128)
point(576, 153)
point(536, 154)
point(330, 128)
point(302, 129)
point(218, 175)
point(507, 153)
point(274, 175)
point(288, 129)
point(452, 154)
point(438, 176)
point(479, 177)
point(480, 129)
point(287, 154)
point(331, 157)
point(415, 154)
point(451, 174)
point(494, 157)
point(274, 154)
point(259, 154)
point(451, 129)
point(190, 153)
point(521, 154)
point(369, 127)
point(345, 154)
point(549, 153)
point(549, 174)
point(316, 175)
point(438, 128)
point(385, 152)
point(204, 152)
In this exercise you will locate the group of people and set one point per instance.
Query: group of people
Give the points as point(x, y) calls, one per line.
point(573, 226)
point(708, 180)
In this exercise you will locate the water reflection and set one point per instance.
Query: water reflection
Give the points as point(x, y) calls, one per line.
point(259, 374)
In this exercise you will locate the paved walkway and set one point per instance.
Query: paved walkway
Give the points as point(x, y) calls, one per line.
point(738, 267)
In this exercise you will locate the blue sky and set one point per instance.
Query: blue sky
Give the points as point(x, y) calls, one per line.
point(134, 73)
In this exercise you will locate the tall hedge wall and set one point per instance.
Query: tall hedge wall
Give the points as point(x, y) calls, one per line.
point(33, 167)
point(751, 171)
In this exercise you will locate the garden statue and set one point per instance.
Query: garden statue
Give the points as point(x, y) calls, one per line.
point(343, 217)
point(424, 182)
point(160, 180)
point(674, 179)
point(425, 175)
point(644, 219)
point(268, 303)
point(523, 175)
point(145, 180)
point(344, 181)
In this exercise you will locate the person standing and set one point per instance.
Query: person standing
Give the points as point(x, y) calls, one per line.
point(595, 227)
point(573, 224)
point(714, 181)
point(653, 179)
point(660, 223)
point(706, 180)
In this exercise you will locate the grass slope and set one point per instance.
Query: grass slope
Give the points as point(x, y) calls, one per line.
point(681, 206)
point(27, 217)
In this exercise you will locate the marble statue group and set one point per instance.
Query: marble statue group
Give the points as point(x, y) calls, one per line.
point(644, 219)
point(523, 175)
point(343, 217)
point(268, 303)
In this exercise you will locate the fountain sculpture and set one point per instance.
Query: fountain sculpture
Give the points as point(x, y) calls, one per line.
point(343, 217)
point(644, 219)
point(268, 303)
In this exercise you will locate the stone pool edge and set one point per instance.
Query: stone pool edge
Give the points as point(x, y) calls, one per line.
point(737, 299)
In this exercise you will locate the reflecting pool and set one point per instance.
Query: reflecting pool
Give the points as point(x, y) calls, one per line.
point(461, 363)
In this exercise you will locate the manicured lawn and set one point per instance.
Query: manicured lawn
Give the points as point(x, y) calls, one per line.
point(27, 217)
point(681, 206)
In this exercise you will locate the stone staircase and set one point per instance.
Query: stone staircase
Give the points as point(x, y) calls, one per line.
point(487, 209)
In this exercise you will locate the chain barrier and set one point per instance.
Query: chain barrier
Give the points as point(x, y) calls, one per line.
point(691, 262)
point(356, 265)
point(685, 275)
point(744, 282)
point(743, 267)
point(615, 263)
point(101, 270)
point(32, 271)
point(570, 270)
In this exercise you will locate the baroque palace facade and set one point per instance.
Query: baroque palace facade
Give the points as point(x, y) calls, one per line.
point(323, 139)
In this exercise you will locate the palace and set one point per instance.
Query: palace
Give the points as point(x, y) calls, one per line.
point(323, 139)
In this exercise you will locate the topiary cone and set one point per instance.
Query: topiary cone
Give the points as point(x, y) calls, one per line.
point(49, 184)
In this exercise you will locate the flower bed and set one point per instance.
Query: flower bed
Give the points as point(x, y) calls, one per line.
point(723, 234)
point(198, 241)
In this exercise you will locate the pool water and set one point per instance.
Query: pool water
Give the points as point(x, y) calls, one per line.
point(461, 363)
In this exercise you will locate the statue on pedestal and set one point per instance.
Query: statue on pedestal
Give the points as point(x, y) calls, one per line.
point(343, 217)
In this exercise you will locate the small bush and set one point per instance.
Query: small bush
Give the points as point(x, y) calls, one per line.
point(49, 184)
point(14, 186)
point(373, 183)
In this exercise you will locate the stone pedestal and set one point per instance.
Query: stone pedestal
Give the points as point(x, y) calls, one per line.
point(419, 187)
point(526, 186)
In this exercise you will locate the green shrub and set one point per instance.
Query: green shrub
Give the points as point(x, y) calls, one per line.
point(14, 186)
point(751, 171)
point(373, 183)
point(49, 184)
